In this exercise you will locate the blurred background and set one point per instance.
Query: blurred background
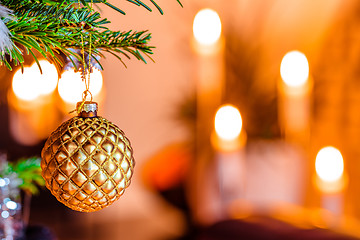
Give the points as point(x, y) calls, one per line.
point(279, 160)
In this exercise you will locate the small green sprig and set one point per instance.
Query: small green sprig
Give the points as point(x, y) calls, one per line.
point(27, 170)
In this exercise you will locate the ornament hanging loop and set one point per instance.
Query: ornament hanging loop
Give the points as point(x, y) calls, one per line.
point(85, 94)
point(80, 105)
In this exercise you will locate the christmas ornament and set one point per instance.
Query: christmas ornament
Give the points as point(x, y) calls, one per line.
point(87, 162)
point(5, 40)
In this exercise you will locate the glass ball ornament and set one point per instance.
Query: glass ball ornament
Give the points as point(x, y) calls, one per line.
point(87, 162)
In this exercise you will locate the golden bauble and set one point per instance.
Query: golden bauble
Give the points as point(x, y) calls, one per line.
point(87, 163)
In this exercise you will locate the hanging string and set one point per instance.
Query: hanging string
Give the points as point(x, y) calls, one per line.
point(85, 75)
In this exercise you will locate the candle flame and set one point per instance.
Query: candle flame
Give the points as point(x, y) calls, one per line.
point(31, 84)
point(228, 122)
point(329, 164)
point(207, 27)
point(294, 69)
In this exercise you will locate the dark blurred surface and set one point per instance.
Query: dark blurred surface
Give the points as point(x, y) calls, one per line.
point(39, 233)
point(265, 228)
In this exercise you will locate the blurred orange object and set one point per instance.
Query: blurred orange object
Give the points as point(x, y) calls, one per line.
point(168, 168)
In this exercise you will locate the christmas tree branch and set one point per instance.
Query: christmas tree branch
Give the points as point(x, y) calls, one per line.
point(88, 2)
point(51, 27)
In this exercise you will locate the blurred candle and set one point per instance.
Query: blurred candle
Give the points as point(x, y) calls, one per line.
point(294, 95)
point(208, 46)
point(229, 140)
point(32, 113)
point(330, 179)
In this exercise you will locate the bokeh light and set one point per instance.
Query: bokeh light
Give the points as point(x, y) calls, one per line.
point(207, 26)
point(25, 85)
point(30, 84)
point(11, 205)
point(329, 164)
point(294, 69)
point(49, 77)
point(71, 86)
point(5, 214)
point(228, 122)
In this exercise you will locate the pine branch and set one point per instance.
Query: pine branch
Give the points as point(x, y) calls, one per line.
point(66, 14)
point(87, 3)
point(51, 27)
point(136, 2)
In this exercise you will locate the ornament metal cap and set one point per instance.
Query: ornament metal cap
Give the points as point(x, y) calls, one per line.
point(88, 109)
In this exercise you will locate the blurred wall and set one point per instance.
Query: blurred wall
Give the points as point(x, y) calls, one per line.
point(141, 98)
